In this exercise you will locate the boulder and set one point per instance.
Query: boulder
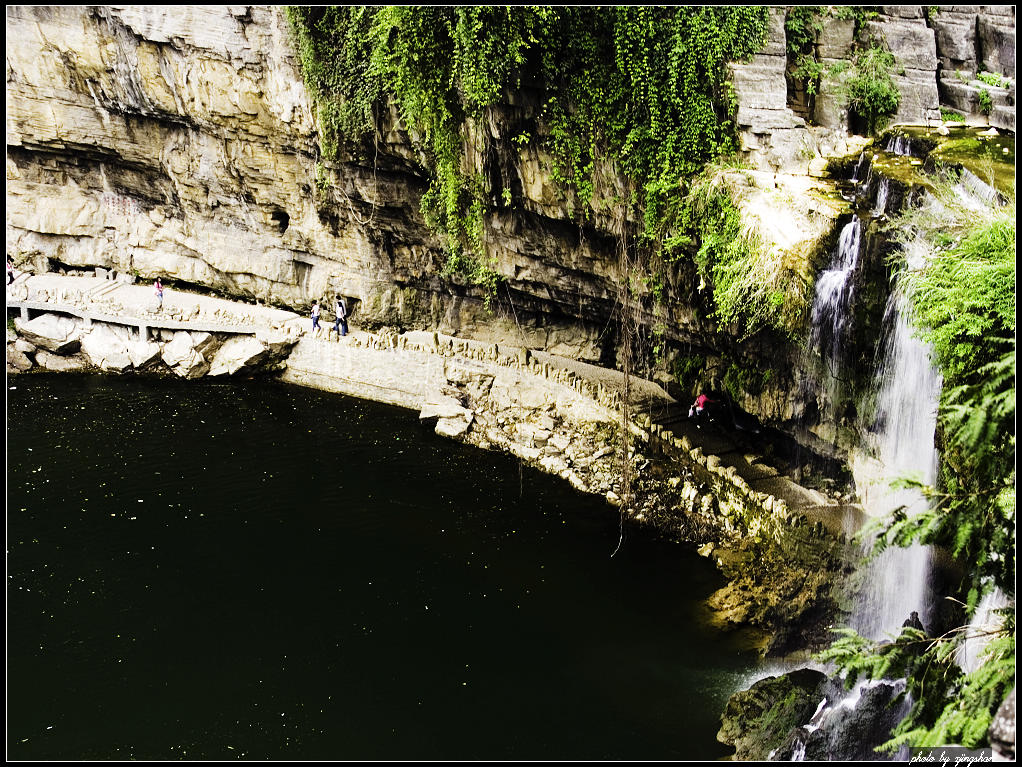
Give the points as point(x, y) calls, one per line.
point(143, 353)
point(759, 720)
point(277, 342)
point(205, 344)
point(469, 375)
point(996, 37)
point(107, 347)
point(55, 333)
point(830, 108)
point(442, 408)
point(237, 353)
point(181, 357)
point(910, 40)
point(57, 363)
point(452, 427)
point(956, 41)
point(531, 434)
point(851, 724)
point(835, 39)
point(17, 360)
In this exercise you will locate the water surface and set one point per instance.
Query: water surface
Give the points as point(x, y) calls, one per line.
point(202, 570)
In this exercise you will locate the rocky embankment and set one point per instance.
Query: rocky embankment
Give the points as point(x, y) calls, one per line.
point(92, 323)
point(553, 413)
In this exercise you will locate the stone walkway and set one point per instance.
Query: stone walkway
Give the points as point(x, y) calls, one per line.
point(111, 300)
point(135, 304)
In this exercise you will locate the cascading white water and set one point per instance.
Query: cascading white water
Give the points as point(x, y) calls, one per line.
point(882, 192)
point(901, 444)
point(899, 145)
point(830, 316)
point(897, 582)
point(863, 163)
point(980, 630)
point(834, 292)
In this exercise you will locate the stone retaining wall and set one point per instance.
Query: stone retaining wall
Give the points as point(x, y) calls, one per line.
point(550, 417)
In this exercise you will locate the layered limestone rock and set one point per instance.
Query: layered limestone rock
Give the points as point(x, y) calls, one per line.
point(907, 35)
point(179, 141)
point(773, 136)
point(971, 39)
point(938, 51)
point(174, 141)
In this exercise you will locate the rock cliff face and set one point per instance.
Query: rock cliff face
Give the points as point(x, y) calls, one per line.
point(179, 141)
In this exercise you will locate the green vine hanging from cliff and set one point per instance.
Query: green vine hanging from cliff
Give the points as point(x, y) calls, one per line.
point(437, 66)
point(643, 90)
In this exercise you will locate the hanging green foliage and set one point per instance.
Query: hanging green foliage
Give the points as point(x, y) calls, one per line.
point(964, 299)
point(872, 93)
point(950, 705)
point(333, 45)
point(437, 66)
point(642, 90)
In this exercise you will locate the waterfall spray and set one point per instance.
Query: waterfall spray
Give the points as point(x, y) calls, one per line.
point(897, 582)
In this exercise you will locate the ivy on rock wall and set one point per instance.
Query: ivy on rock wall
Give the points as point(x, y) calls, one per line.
point(640, 92)
point(437, 66)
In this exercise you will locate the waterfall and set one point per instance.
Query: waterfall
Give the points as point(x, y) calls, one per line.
point(882, 192)
point(864, 162)
point(977, 636)
point(902, 443)
point(830, 316)
point(834, 294)
point(899, 444)
point(900, 145)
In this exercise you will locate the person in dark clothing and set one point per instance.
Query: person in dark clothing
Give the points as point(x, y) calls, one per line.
point(700, 409)
point(341, 317)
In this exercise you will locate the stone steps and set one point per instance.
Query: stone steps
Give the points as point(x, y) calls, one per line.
point(714, 442)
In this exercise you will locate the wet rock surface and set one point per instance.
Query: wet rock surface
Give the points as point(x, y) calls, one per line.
point(759, 720)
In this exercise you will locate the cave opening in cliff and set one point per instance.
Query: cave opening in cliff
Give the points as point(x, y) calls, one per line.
point(281, 220)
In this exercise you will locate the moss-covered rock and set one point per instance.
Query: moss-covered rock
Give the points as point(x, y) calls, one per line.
point(759, 720)
point(787, 588)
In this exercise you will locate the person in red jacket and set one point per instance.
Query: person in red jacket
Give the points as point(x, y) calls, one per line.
point(699, 408)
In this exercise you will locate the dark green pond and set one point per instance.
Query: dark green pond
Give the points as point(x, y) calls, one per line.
point(208, 571)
